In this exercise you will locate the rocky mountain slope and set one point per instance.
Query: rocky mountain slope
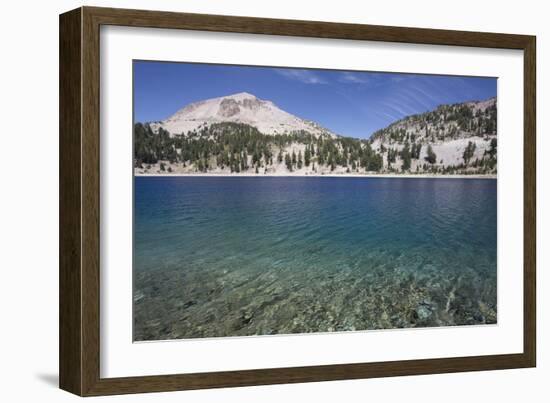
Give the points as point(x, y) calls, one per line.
point(463, 136)
point(241, 134)
point(237, 108)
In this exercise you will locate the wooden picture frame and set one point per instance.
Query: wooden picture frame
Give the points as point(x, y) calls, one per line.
point(79, 346)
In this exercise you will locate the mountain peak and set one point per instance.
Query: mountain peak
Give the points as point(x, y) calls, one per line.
point(241, 107)
point(241, 95)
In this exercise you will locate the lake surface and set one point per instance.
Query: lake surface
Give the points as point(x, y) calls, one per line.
point(235, 256)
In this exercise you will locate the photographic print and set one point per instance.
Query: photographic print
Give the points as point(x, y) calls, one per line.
point(273, 200)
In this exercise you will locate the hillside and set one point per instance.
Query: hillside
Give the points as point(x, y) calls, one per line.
point(237, 108)
point(241, 134)
point(461, 136)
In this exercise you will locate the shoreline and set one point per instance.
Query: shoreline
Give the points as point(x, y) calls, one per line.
point(343, 175)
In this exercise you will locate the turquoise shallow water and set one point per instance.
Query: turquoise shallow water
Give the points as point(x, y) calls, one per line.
point(233, 256)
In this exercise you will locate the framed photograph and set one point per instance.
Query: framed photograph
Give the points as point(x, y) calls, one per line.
point(249, 201)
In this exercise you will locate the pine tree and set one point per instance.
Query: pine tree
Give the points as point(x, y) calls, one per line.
point(288, 162)
point(469, 152)
point(406, 157)
point(431, 156)
point(307, 156)
point(492, 152)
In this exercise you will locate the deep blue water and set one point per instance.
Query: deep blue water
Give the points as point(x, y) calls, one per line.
point(223, 256)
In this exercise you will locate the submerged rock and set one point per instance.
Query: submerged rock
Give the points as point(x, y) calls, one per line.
point(246, 317)
point(424, 310)
point(189, 303)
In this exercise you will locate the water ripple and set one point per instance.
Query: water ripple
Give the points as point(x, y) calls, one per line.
point(242, 256)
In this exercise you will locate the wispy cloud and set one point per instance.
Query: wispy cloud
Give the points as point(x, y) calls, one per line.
point(352, 78)
point(399, 107)
point(413, 96)
point(303, 76)
point(430, 96)
point(386, 117)
point(398, 78)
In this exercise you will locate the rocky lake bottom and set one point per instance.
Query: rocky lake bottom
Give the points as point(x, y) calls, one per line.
point(219, 257)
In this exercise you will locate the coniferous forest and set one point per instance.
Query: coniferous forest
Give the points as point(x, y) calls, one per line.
point(406, 146)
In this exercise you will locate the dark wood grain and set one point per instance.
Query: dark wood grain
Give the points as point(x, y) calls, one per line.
point(80, 201)
point(305, 374)
point(90, 202)
point(315, 29)
point(70, 273)
point(530, 203)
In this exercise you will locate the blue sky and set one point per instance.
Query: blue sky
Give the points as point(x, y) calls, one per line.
point(349, 103)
